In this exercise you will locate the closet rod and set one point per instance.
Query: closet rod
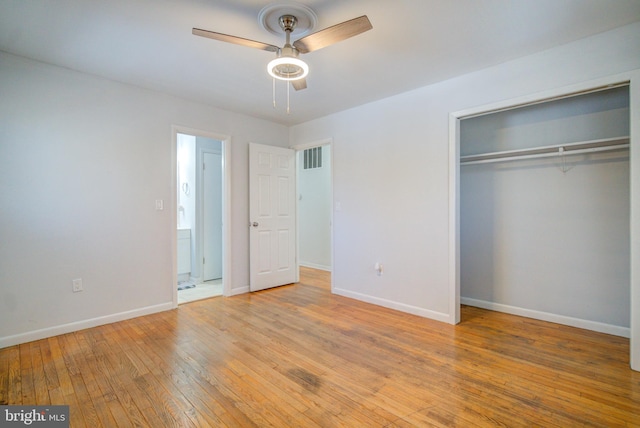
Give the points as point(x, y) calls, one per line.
point(606, 144)
point(548, 155)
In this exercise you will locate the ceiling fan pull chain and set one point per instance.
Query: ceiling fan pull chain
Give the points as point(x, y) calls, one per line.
point(288, 110)
point(274, 92)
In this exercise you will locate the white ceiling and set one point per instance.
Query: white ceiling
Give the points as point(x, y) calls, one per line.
point(413, 43)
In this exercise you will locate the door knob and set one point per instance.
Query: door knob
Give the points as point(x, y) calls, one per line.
point(254, 224)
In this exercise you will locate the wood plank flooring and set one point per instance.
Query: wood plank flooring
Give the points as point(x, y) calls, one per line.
point(299, 356)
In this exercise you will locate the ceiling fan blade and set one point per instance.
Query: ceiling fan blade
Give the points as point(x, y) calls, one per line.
point(235, 40)
point(299, 84)
point(333, 34)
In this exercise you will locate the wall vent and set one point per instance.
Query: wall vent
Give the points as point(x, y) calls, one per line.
point(313, 158)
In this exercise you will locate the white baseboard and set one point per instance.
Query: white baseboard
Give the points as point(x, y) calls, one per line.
point(402, 307)
point(44, 333)
point(239, 290)
point(315, 266)
point(545, 316)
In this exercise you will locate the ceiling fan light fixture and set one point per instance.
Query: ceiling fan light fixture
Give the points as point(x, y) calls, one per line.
point(288, 68)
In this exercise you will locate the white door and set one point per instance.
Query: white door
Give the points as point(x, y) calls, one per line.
point(272, 216)
point(212, 216)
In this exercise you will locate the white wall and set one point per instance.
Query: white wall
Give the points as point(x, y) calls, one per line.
point(549, 236)
point(83, 160)
point(391, 169)
point(314, 212)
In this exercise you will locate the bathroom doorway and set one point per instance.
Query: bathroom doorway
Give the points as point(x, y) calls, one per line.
point(200, 210)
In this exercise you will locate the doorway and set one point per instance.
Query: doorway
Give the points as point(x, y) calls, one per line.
point(201, 209)
point(314, 202)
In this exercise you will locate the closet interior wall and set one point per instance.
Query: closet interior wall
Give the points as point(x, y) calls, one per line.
point(548, 235)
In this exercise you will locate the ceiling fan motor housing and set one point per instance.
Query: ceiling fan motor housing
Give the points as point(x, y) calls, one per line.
point(287, 66)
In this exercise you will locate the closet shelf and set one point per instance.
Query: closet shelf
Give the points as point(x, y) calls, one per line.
point(590, 146)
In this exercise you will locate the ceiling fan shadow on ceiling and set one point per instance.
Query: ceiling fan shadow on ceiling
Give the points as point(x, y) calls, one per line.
point(290, 18)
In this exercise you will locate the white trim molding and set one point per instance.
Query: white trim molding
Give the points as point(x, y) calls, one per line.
point(425, 313)
point(546, 316)
point(237, 291)
point(81, 325)
point(315, 266)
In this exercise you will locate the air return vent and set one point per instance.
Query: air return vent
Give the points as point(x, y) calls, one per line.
point(313, 158)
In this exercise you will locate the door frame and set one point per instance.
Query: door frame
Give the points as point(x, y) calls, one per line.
point(299, 148)
point(226, 206)
point(632, 78)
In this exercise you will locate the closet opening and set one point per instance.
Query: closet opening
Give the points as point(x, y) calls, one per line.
point(544, 210)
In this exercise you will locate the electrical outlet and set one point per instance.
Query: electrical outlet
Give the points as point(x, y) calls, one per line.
point(77, 285)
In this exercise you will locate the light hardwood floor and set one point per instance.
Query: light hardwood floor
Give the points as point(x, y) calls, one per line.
point(299, 356)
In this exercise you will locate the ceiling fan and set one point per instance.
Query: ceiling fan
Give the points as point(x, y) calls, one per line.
point(289, 17)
